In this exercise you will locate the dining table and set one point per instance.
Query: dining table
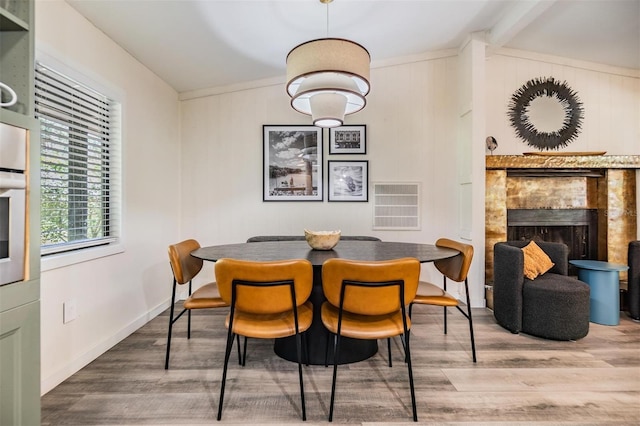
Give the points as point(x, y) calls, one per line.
point(317, 336)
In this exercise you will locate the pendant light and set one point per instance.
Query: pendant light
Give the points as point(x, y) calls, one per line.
point(328, 78)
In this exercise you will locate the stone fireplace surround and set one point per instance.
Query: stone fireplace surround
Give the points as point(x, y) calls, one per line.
point(559, 184)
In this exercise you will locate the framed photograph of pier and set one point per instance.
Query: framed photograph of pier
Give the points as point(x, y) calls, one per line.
point(292, 163)
point(348, 180)
point(348, 140)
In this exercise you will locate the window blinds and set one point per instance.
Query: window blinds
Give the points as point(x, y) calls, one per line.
point(77, 203)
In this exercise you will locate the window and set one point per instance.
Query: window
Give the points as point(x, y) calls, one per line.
point(79, 163)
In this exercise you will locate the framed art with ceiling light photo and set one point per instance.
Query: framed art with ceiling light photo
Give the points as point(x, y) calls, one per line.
point(292, 163)
point(348, 181)
point(348, 140)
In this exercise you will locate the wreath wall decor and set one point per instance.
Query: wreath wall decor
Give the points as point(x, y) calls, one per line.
point(526, 130)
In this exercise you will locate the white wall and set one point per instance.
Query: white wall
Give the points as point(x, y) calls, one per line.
point(116, 294)
point(193, 168)
point(610, 98)
point(470, 165)
point(414, 120)
point(411, 136)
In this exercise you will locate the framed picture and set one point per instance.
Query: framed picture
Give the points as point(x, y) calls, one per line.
point(292, 163)
point(348, 140)
point(348, 181)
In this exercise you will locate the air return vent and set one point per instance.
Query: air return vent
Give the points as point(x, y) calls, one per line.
point(396, 205)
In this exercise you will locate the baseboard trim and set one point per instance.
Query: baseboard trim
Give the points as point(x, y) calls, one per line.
point(48, 383)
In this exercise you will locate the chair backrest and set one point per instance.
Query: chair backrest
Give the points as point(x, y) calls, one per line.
point(359, 238)
point(264, 299)
point(184, 266)
point(370, 300)
point(457, 267)
point(262, 238)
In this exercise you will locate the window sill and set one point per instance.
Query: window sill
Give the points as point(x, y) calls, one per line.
point(61, 260)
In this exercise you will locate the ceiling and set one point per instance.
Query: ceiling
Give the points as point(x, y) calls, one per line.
point(198, 44)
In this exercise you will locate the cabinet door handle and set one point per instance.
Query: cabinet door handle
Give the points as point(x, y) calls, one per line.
point(14, 97)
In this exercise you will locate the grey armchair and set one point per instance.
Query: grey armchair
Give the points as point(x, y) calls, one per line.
point(633, 290)
point(553, 306)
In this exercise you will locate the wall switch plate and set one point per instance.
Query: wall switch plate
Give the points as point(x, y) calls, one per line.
point(69, 311)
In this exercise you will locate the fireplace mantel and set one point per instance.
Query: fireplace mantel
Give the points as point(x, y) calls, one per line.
point(562, 161)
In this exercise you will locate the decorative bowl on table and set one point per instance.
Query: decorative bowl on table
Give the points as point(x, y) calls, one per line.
point(322, 240)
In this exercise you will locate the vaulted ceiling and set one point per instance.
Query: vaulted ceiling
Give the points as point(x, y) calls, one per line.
point(197, 44)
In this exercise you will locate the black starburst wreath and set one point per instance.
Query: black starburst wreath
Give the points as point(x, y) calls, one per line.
point(568, 98)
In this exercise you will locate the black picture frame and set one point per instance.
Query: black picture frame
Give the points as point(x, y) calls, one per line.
point(348, 139)
point(292, 163)
point(348, 180)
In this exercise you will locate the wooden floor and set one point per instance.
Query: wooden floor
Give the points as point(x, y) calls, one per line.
point(518, 380)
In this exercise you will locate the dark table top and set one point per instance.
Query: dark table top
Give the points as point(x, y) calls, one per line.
point(351, 350)
point(355, 250)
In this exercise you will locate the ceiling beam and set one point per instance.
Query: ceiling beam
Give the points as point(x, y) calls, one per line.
point(516, 18)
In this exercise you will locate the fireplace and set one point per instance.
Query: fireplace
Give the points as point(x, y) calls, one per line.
point(588, 202)
point(577, 228)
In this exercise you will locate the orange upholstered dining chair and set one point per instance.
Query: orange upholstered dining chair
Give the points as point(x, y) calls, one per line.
point(366, 300)
point(185, 267)
point(454, 268)
point(267, 300)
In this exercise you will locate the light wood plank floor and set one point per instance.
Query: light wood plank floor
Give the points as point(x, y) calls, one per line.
point(518, 379)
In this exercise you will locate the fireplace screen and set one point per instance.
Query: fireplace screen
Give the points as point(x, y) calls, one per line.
point(577, 228)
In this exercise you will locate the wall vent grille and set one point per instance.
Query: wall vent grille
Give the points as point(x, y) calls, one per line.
point(396, 206)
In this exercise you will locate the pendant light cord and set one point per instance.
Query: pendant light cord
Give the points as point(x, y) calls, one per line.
point(327, 19)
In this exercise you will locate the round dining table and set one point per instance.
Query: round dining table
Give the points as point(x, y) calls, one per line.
point(317, 337)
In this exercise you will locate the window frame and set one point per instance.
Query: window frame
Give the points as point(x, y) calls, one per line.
point(115, 244)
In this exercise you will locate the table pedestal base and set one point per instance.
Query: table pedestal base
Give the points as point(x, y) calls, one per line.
point(603, 279)
point(351, 350)
point(604, 300)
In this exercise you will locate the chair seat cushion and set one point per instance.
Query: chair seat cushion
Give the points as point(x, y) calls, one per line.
point(431, 294)
point(555, 307)
point(205, 297)
point(363, 326)
point(271, 326)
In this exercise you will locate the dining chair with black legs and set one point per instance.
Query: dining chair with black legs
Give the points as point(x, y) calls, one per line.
point(367, 300)
point(456, 269)
point(185, 267)
point(268, 300)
